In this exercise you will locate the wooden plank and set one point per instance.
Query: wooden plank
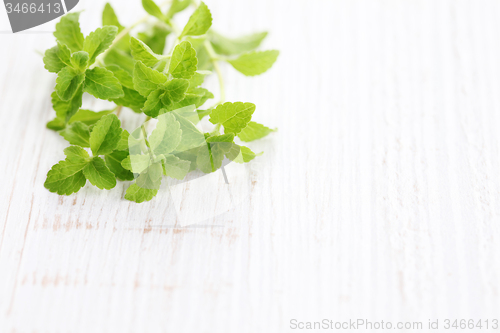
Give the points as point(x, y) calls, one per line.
point(378, 198)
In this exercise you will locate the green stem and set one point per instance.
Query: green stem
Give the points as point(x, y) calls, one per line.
point(118, 110)
point(213, 60)
point(151, 156)
point(178, 32)
point(124, 32)
point(211, 157)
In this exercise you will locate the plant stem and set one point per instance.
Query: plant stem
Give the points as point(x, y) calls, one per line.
point(213, 59)
point(118, 110)
point(143, 128)
point(124, 32)
point(176, 30)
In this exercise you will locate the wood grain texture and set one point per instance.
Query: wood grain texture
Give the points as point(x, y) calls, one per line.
point(378, 198)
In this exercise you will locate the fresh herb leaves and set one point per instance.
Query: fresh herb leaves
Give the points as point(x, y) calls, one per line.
point(254, 63)
point(137, 73)
point(199, 22)
point(233, 116)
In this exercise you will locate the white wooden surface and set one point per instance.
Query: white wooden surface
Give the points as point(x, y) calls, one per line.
point(379, 197)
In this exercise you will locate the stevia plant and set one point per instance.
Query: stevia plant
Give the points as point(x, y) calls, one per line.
point(135, 72)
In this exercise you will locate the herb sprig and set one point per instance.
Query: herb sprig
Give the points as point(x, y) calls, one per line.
point(135, 72)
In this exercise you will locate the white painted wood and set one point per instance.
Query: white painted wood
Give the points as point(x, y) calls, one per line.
point(378, 198)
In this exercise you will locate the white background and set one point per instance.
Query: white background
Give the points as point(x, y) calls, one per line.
point(378, 197)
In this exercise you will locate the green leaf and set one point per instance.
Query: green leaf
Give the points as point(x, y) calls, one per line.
point(138, 194)
point(204, 113)
point(56, 124)
point(151, 177)
point(233, 116)
point(109, 17)
point(254, 63)
point(190, 156)
point(162, 64)
point(155, 38)
point(191, 136)
point(66, 177)
point(183, 62)
point(199, 22)
point(99, 175)
point(131, 99)
point(254, 131)
point(105, 135)
point(197, 96)
point(246, 155)
point(142, 52)
point(80, 61)
point(102, 84)
point(136, 163)
point(176, 7)
point(146, 185)
point(224, 138)
point(77, 133)
point(192, 115)
point(233, 46)
point(123, 143)
point(176, 88)
point(64, 54)
point(136, 143)
point(146, 80)
point(114, 160)
point(204, 61)
point(68, 82)
point(68, 32)
point(88, 117)
point(241, 154)
point(120, 58)
point(174, 91)
point(152, 9)
point(198, 78)
point(210, 157)
point(166, 136)
point(122, 75)
point(194, 96)
point(76, 155)
point(51, 61)
point(175, 167)
point(57, 57)
point(153, 104)
point(65, 109)
point(99, 40)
